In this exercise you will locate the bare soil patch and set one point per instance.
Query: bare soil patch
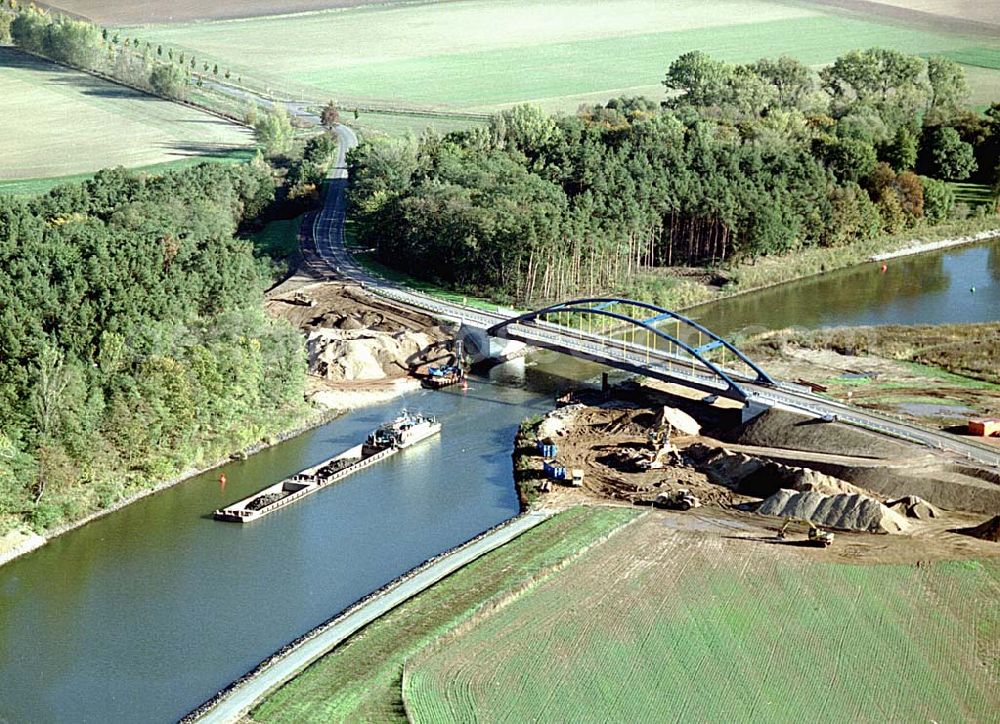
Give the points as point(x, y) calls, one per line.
point(956, 16)
point(937, 375)
point(362, 349)
point(848, 477)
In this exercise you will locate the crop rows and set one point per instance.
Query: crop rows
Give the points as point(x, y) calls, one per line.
point(470, 55)
point(658, 625)
point(360, 680)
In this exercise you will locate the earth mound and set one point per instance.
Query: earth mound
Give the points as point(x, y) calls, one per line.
point(782, 429)
point(843, 511)
point(751, 475)
point(913, 506)
point(364, 354)
point(989, 530)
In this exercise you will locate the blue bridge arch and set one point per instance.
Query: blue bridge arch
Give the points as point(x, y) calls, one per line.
point(621, 313)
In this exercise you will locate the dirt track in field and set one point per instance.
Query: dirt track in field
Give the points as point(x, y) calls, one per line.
point(149, 12)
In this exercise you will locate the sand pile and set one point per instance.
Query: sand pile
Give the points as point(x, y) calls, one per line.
point(843, 511)
point(990, 530)
point(755, 476)
point(729, 468)
point(365, 354)
point(913, 506)
point(557, 421)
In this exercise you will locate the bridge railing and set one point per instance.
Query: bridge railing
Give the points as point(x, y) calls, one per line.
point(603, 350)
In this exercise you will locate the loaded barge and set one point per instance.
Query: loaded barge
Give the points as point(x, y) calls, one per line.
point(385, 440)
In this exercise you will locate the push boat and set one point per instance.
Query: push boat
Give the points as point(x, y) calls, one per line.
point(384, 441)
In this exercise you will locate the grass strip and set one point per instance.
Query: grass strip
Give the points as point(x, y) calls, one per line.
point(35, 186)
point(361, 679)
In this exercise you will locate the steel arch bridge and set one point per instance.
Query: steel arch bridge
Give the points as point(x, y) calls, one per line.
point(670, 346)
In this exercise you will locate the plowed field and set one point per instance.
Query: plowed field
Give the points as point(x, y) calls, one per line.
point(477, 55)
point(661, 624)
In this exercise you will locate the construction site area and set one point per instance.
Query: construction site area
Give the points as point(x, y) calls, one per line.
point(361, 347)
point(794, 480)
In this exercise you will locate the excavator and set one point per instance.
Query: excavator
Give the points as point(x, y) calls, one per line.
point(817, 538)
point(660, 450)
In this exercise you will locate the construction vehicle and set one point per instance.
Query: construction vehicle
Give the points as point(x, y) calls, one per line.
point(439, 376)
point(300, 299)
point(817, 538)
point(659, 449)
point(682, 499)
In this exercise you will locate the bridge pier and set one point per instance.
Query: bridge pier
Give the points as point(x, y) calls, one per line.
point(480, 346)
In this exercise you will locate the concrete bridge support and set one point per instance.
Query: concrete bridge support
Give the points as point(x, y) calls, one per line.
point(481, 346)
point(754, 408)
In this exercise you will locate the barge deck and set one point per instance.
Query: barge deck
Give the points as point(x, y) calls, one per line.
point(383, 442)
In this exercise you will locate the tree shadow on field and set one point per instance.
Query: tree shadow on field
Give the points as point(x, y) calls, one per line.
point(202, 150)
point(14, 58)
point(112, 92)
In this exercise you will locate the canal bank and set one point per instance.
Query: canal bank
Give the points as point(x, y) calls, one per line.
point(197, 603)
point(770, 271)
point(236, 700)
point(30, 542)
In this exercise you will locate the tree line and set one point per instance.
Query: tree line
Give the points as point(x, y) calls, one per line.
point(133, 337)
point(82, 44)
point(739, 161)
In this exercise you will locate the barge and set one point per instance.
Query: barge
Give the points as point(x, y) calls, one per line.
point(384, 441)
point(444, 376)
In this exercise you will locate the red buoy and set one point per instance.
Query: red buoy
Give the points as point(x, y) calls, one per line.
point(222, 481)
point(885, 267)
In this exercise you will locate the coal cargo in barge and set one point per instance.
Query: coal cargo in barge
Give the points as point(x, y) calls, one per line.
point(385, 440)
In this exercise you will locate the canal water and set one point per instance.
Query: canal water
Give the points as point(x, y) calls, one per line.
point(922, 289)
point(144, 614)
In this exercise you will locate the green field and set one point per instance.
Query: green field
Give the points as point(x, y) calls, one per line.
point(361, 679)
point(33, 186)
point(478, 55)
point(58, 123)
point(664, 625)
point(979, 57)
